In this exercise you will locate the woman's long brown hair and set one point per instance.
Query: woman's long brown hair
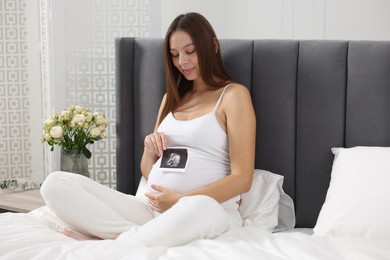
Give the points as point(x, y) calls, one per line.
point(212, 68)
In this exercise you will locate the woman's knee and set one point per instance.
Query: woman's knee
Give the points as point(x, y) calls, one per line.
point(52, 184)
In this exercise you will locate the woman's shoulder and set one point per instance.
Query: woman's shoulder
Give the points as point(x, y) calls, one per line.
point(236, 96)
point(237, 91)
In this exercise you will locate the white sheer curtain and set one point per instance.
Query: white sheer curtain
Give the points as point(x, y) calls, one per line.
point(83, 40)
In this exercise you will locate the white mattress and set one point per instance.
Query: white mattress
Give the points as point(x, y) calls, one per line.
point(34, 236)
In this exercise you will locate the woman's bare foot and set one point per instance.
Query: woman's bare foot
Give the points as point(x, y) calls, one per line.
point(78, 236)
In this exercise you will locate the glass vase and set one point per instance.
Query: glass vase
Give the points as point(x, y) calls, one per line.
point(74, 161)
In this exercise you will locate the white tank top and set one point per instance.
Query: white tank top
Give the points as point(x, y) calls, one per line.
point(208, 153)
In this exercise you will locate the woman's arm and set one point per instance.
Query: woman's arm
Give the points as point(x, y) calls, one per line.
point(154, 144)
point(240, 125)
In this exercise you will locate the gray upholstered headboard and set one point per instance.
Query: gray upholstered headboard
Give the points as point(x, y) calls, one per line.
point(308, 95)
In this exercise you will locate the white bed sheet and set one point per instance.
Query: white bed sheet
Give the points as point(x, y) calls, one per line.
point(33, 236)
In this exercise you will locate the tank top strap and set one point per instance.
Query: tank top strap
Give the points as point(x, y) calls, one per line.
point(220, 98)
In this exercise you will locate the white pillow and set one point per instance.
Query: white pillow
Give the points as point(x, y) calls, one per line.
point(358, 199)
point(266, 204)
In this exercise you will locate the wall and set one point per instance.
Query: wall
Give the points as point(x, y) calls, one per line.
point(288, 19)
point(358, 19)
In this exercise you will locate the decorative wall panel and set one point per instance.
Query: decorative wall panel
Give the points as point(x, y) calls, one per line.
point(15, 145)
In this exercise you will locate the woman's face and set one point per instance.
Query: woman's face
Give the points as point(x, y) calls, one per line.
point(183, 54)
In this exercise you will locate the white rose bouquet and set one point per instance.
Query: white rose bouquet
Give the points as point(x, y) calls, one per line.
point(74, 129)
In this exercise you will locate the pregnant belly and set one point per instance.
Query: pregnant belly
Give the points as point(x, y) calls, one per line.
point(201, 170)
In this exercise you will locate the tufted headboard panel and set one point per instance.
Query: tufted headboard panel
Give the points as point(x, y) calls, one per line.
point(309, 96)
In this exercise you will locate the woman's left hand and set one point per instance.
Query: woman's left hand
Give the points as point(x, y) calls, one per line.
point(164, 199)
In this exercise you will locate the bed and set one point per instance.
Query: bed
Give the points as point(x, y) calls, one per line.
point(323, 137)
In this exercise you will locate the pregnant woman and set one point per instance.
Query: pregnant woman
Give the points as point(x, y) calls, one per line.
point(203, 112)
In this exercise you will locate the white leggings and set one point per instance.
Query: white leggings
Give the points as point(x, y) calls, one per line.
point(96, 210)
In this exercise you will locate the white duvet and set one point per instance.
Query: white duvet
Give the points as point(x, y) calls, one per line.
point(34, 236)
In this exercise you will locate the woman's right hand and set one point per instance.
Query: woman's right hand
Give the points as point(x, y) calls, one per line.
point(155, 143)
